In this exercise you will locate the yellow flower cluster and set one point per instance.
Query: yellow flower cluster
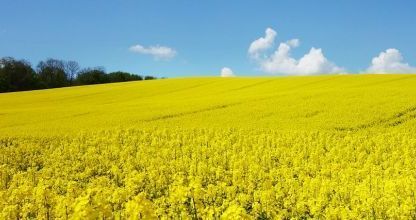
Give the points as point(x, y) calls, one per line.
point(207, 173)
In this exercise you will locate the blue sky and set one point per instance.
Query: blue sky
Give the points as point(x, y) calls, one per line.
point(206, 36)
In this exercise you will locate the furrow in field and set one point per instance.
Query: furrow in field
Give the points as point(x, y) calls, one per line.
point(395, 120)
point(181, 114)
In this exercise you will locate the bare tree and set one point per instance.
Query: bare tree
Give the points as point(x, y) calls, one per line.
point(72, 68)
point(52, 73)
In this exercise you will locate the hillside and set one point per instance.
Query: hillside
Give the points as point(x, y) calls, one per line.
point(343, 102)
point(324, 147)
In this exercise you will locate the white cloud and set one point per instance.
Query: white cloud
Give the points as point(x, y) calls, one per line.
point(293, 42)
point(158, 52)
point(390, 61)
point(281, 61)
point(226, 72)
point(262, 43)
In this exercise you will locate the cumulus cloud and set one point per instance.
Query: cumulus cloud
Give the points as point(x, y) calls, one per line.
point(390, 61)
point(158, 52)
point(263, 43)
point(281, 61)
point(226, 72)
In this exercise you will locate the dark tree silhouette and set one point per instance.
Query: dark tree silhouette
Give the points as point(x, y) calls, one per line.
point(71, 68)
point(123, 77)
point(16, 75)
point(149, 77)
point(52, 73)
point(92, 76)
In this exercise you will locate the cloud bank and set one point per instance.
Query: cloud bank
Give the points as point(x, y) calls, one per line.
point(158, 52)
point(281, 61)
point(390, 61)
point(226, 72)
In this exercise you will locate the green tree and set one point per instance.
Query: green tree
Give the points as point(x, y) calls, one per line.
point(16, 75)
point(123, 77)
point(149, 77)
point(92, 76)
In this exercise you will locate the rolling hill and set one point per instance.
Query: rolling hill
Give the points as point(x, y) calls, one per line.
point(343, 102)
point(325, 147)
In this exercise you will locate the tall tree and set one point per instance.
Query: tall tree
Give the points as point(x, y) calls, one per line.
point(71, 68)
point(16, 75)
point(52, 73)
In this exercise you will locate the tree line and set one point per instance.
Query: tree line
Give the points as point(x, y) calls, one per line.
point(18, 75)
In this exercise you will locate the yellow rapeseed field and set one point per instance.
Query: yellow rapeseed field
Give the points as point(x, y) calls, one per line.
point(324, 147)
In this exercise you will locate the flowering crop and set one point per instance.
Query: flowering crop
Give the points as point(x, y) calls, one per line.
point(244, 148)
